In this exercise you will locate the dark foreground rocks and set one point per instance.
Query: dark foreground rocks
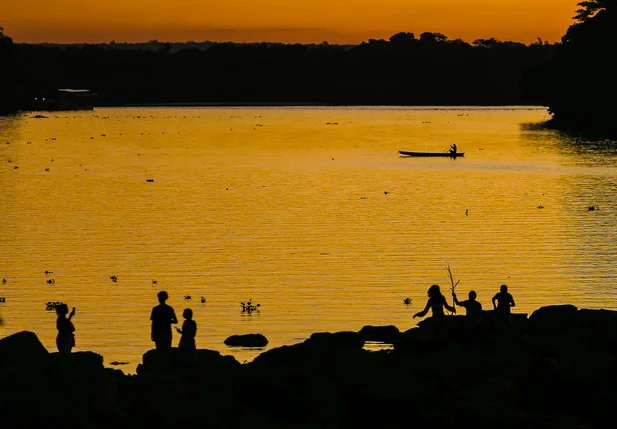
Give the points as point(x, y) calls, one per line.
point(555, 369)
point(248, 340)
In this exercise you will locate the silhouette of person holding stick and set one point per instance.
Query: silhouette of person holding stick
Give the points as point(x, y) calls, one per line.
point(188, 331)
point(65, 340)
point(472, 308)
point(162, 317)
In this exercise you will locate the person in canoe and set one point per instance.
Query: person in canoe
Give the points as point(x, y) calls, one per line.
point(453, 149)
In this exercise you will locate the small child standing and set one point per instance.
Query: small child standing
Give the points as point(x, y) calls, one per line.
point(188, 331)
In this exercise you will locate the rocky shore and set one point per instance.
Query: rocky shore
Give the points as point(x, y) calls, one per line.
point(554, 369)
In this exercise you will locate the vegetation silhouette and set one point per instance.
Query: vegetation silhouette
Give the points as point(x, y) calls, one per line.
point(404, 70)
point(578, 84)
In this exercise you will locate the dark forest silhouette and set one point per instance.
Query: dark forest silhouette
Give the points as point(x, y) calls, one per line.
point(406, 70)
point(579, 85)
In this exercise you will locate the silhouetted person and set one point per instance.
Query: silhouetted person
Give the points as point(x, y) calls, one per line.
point(504, 303)
point(65, 340)
point(472, 307)
point(436, 302)
point(162, 317)
point(453, 148)
point(188, 331)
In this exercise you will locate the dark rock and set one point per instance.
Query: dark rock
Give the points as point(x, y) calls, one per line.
point(597, 320)
point(197, 364)
point(553, 319)
point(248, 340)
point(344, 339)
point(415, 340)
point(84, 362)
point(322, 349)
point(385, 334)
point(22, 348)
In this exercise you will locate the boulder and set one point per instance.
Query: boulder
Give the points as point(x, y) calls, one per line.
point(82, 362)
point(248, 340)
point(197, 364)
point(553, 319)
point(22, 348)
point(344, 339)
point(384, 334)
point(597, 320)
point(323, 348)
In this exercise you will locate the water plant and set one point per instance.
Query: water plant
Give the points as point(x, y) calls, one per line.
point(249, 307)
point(52, 305)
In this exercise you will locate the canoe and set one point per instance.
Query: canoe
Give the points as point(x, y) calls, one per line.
point(440, 154)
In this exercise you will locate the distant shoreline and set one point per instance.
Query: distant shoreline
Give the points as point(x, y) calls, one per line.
point(307, 104)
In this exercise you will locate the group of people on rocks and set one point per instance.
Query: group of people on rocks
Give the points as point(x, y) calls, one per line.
point(163, 316)
point(502, 304)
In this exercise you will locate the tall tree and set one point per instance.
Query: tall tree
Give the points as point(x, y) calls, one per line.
point(589, 9)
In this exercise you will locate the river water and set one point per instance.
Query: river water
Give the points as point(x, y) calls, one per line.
point(309, 212)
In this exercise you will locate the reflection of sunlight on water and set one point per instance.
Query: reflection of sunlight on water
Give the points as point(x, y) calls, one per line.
point(327, 227)
point(374, 346)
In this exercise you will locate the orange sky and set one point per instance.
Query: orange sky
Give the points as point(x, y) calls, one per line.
point(305, 21)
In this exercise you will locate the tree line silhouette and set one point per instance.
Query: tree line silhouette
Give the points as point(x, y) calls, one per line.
point(579, 85)
point(404, 70)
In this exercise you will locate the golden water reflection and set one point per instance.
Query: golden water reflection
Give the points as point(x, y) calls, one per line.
point(308, 211)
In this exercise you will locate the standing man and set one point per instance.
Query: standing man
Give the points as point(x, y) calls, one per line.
point(503, 307)
point(162, 317)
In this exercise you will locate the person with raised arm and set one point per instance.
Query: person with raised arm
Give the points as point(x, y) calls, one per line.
point(65, 340)
point(472, 308)
point(436, 303)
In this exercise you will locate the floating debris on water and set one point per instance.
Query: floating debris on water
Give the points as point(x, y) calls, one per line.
point(249, 307)
point(52, 305)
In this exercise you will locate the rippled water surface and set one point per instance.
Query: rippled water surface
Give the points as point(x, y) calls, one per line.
point(310, 212)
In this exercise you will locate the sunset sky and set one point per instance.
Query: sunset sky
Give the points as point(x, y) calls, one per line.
point(304, 21)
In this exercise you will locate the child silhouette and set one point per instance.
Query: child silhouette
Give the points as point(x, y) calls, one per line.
point(188, 331)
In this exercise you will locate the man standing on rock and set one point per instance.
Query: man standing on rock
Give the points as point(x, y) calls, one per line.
point(162, 317)
point(503, 307)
